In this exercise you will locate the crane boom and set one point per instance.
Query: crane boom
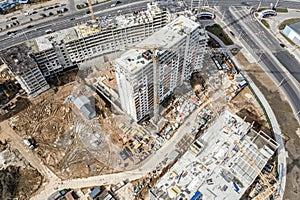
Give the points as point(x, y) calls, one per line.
point(91, 10)
point(271, 189)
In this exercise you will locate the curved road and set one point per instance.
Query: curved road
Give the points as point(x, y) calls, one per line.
point(80, 16)
point(265, 48)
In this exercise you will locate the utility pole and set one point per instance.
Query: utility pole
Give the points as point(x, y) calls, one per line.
point(259, 6)
point(276, 4)
point(281, 82)
point(223, 15)
point(25, 35)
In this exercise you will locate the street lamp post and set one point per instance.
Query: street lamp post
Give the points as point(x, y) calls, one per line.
point(281, 82)
point(259, 6)
point(223, 15)
point(276, 4)
point(240, 34)
point(25, 35)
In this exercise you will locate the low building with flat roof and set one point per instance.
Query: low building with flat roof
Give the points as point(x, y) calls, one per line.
point(221, 168)
point(84, 105)
point(292, 31)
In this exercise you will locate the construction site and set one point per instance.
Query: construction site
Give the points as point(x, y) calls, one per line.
point(66, 141)
point(121, 109)
point(223, 162)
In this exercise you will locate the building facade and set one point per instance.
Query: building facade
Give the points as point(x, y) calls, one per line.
point(66, 48)
point(54, 53)
point(115, 34)
point(179, 47)
point(25, 69)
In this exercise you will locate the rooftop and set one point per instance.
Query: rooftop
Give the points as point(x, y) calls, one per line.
point(46, 41)
point(81, 101)
point(172, 6)
point(103, 23)
point(121, 21)
point(295, 26)
point(220, 170)
point(161, 40)
point(17, 58)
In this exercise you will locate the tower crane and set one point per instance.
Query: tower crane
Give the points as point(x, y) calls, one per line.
point(155, 56)
point(271, 189)
point(91, 10)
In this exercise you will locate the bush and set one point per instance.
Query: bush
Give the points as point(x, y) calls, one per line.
point(288, 21)
point(264, 22)
point(281, 10)
point(79, 7)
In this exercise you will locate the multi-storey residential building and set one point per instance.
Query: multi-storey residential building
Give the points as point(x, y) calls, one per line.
point(50, 53)
point(64, 49)
point(25, 69)
point(109, 35)
point(179, 45)
point(58, 51)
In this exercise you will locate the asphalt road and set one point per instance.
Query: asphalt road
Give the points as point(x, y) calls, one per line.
point(63, 22)
point(248, 30)
point(284, 57)
point(225, 3)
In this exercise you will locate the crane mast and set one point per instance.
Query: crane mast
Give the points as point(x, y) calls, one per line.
point(91, 10)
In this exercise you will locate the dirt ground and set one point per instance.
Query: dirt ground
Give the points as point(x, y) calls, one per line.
point(48, 120)
point(243, 104)
point(287, 122)
point(246, 106)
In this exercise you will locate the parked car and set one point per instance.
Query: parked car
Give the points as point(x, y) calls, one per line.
point(29, 143)
point(48, 31)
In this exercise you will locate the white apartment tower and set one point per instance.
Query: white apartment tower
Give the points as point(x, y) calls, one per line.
point(180, 47)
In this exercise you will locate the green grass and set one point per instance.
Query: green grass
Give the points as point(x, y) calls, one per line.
point(79, 7)
point(264, 22)
point(288, 39)
point(280, 10)
point(217, 30)
point(288, 21)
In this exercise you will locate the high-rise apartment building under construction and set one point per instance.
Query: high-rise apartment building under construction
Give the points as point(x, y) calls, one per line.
point(178, 49)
